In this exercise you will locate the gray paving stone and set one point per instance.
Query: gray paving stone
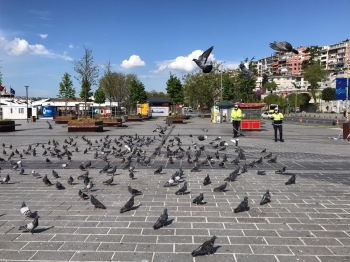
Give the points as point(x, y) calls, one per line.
point(92, 256)
point(297, 258)
point(139, 239)
point(255, 258)
point(16, 255)
point(53, 255)
point(291, 241)
point(116, 247)
point(174, 257)
point(321, 242)
point(12, 245)
point(85, 246)
point(104, 238)
point(334, 258)
point(309, 250)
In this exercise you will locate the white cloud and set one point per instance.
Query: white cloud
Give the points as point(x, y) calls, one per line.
point(181, 63)
point(43, 36)
point(19, 47)
point(133, 61)
point(71, 46)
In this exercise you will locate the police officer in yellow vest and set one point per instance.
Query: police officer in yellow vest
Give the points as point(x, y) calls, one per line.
point(236, 116)
point(277, 118)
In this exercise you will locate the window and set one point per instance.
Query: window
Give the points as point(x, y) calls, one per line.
point(11, 111)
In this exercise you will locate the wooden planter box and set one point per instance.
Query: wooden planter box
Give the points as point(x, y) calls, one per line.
point(176, 120)
point(250, 124)
point(135, 118)
point(112, 122)
point(64, 119)
point(7, 126)
point(85, 126)
point(145, 117)
point(207, 116)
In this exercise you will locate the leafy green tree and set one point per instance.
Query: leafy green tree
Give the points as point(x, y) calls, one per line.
point(87, 74)
point(265, 79)
point(99, 97)
point(328, 94)
point(175, 90)
point(272, 99)
point(137, 93)
point(313, 52)
point(315, 74)
point(154, 93)
point(66, 90)
point(270, 86)
point(228, 88)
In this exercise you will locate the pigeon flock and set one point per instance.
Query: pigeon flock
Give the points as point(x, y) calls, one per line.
point(244, 67)
point(131, 151)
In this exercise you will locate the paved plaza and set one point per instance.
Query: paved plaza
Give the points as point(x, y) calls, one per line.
point(308, 221)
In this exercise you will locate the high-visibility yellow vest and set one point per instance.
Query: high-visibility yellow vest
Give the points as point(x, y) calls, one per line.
point(236, 115)
point(277, 117)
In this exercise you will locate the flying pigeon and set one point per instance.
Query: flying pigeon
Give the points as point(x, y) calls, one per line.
point(206, 180)
point(283, 46)
point(161, 220)
point(247, 74)
point(243, 206)
point(202, 59)
point(198, 200)
point(182, 190)
point(291, 180)
point(70, 180)
point(47, 181)
point(134, 191)
point(31, 226)
point(96, 203)
point(82, 195)
point(281, 171)
point(220, 188)
point(25, 210)
point(128, 205)
point(205, 248)
point(266, 198)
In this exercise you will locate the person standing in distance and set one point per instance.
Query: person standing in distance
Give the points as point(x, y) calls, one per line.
point(277, 118)
point(236, 116)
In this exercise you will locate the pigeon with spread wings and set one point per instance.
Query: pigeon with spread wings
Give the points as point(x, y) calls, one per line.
point(283, 46)
point(202, 60)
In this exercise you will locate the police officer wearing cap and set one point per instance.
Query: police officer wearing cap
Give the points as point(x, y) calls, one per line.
point(236, 116)
point(277, 118)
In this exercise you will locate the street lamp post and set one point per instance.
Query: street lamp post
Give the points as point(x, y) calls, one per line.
point(27, 101)
point(221, 86)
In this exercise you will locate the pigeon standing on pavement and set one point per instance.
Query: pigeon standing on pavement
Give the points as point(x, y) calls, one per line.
point(6, 179)
point(70, 180)
point(47, 181)
point(220, 188)
point(109, 181)
point(159, 170)
point(59, 186)
point(182, 190)
point(281, 171)
point(243, 206)
point(283, 46)
point(25, 210)
point(161, 220)
point(266, 198)
point(82, 195)
point(96, 203)
point(206, 180)
point(31, 226)
point(198, 200)
point(128, 205)
point(291, 180)
point(50, 126)
point(205, 248)
point(134, 191)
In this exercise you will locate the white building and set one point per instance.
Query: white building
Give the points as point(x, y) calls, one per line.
point(18, 111)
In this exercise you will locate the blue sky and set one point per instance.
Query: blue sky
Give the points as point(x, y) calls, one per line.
point(151, 38)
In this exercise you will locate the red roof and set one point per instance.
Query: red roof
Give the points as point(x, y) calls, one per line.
point(251, 105)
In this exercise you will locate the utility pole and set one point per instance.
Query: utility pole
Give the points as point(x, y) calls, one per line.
point(27, 101)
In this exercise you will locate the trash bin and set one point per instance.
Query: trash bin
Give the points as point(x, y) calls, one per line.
point(125, 118)
point(32, 119)
point(170, 121)
point(346, 130)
